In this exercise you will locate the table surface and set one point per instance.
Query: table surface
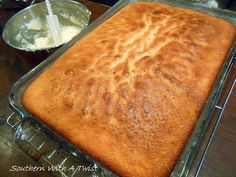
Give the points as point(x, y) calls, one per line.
point(219, 162)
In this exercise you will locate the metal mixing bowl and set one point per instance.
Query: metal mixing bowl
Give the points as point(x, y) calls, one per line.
point(68, 12)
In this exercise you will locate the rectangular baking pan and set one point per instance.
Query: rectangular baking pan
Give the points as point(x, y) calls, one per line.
point(187, 157)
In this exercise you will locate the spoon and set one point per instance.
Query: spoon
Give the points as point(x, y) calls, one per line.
point(53, 23)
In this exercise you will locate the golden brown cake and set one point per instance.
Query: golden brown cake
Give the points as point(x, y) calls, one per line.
point(130, 92)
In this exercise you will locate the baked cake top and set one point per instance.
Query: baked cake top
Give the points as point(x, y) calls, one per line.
point(130, 92)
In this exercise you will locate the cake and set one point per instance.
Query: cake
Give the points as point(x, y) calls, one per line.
point(130, 92)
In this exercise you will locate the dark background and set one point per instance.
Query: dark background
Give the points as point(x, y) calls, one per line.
point(229, 4)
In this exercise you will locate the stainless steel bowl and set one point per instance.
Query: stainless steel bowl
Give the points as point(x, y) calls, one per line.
point(68, 12)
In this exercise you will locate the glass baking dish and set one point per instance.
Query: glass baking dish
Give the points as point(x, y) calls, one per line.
point(187, 157)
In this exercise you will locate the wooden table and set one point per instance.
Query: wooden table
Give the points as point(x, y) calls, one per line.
point(220, 160)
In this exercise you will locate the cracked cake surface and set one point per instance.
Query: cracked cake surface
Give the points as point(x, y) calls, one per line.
point(130, 92)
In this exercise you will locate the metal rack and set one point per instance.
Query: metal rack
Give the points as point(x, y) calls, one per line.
point(213, 131)
point(52, 155)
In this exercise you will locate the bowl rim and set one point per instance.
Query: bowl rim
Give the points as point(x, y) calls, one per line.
point(36, 4)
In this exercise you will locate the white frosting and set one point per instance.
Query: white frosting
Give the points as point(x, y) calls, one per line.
point(41, 37)
point(34, 24)
point(68, 32)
